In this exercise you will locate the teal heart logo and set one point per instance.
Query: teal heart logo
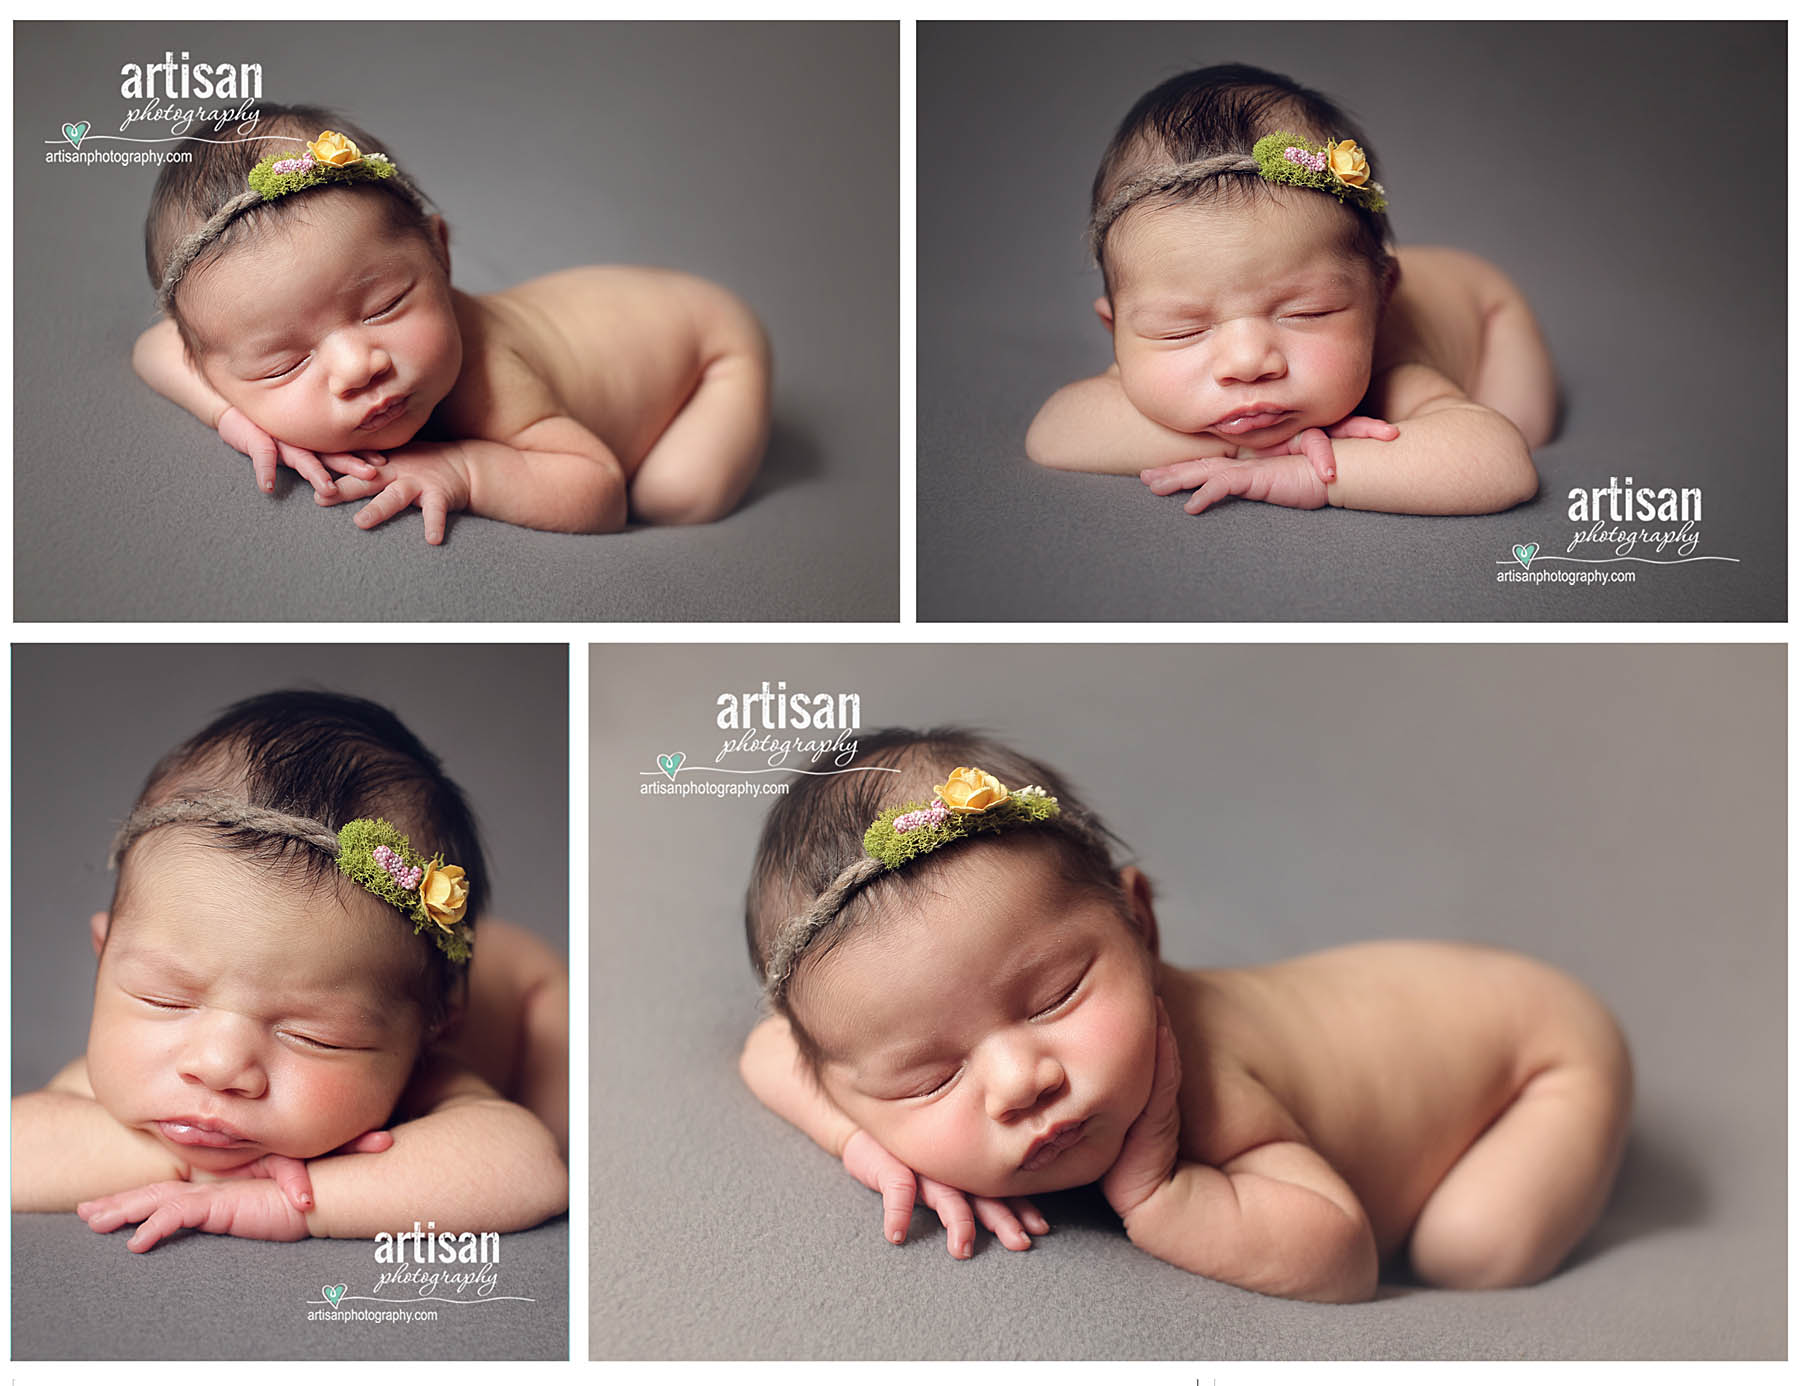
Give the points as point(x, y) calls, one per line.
point(334, 1293)
point(74, 133)
point(670, 764)
point(1525, 553)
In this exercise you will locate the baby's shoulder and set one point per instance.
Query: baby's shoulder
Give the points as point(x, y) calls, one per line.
point(1227, 1103)
point(1440, 273)
point(632, 294)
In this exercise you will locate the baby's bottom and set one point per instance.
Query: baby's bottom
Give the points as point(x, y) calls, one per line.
point(1533, 1184)
point(703, 463)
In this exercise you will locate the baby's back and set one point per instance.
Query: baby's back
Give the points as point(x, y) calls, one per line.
point(1388, 1058)
point(618, 348)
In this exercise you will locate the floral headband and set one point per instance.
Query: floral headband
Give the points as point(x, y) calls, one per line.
point(370, 851)
point(332, 158)
point(1338, 167)
point(970, 801)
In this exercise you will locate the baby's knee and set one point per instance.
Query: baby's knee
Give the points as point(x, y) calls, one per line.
point(1466, 1248)
point(686, 500)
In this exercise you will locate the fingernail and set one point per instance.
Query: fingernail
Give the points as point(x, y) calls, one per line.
point(895, 1237)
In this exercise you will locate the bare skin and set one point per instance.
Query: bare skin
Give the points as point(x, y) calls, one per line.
point(570, 402)
point(494, 1079)
point(1304, 1123)
point(1432, 388)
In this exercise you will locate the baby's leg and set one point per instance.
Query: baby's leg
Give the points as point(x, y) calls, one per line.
point(1534, 1182)
point(704, 461)
point(1516, 377)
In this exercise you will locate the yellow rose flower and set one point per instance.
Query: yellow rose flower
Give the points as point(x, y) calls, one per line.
point(444, 894)
point(334, 149)
point(1348, 163)
point(969, 790)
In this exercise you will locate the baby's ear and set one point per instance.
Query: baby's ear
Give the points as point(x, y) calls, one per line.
point(440, 240)
point(1138, 893)
point(1103, 309)
point(97, 927)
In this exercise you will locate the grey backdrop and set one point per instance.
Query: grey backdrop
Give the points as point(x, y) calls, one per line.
point(1617, 172)
point(1618, 810)
point(88, 722)
point(762, 156)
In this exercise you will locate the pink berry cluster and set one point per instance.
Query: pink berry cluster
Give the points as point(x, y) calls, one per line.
point(406, 877)
point(300, 165)
point(920, 818)
point(1316, 162)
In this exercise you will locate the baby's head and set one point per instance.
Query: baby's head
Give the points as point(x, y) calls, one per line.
point(324, 313)
point(250, 998)
point(1240, 307)
point(987, 1010)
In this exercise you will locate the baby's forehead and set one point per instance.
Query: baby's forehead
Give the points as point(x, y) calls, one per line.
point(182, 895)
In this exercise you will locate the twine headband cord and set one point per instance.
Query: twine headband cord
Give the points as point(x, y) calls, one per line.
point(370, 851)
point(1337, 167)
point(969, 802)
point(329, 160)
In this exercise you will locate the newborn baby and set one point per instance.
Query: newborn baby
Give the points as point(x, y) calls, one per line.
point(295, 1032)
point(1268, 340)
point(310, 318)
point(969, 998)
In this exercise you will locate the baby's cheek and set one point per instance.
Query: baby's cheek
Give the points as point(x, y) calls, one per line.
point(332, 1105)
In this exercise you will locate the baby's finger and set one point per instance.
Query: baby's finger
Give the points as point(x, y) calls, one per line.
point(999, 1219)
point(309, 467)
point(350, 464)
point(952, 1208)
point(898, 1190)
point(431, 504)
point(1176, 476)
point(167, 1220)
point(1317, 448)
point(1035, 1222)
point(393, 499)
point(1362, 426)
point(369, 1143)
point(291, 1178)
point(264, 462)
point(1151, 1144)
point(1213, 490)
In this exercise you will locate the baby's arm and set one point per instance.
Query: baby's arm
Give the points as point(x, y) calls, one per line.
point(772, 1069)
point(555, 475)
point(162, 363)
point(1276, 1218)
point(1453, 456)
point(66, 1148)
point(472, 1162)
point(1091, 426)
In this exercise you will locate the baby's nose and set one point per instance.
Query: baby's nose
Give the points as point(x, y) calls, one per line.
point(222, 1055)
point(1022, 1081)
point(356, 364)
point(1246, 351)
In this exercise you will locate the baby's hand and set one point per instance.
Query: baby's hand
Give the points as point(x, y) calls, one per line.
point(251, 1207)
point(266, 453)
point(1147, 1158)
point(1009, 1219)
point(428, 475)
point(1268, 475)
point(290, 1175)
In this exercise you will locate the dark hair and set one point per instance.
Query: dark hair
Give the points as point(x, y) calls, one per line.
point(189, 190)
point(333, 758)
point(816, 830)
point(1225, 110)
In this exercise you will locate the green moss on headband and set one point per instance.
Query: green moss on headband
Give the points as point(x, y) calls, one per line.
point(907, 831)
point(377, 856)
point(1337, 167)
point(275, 177)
